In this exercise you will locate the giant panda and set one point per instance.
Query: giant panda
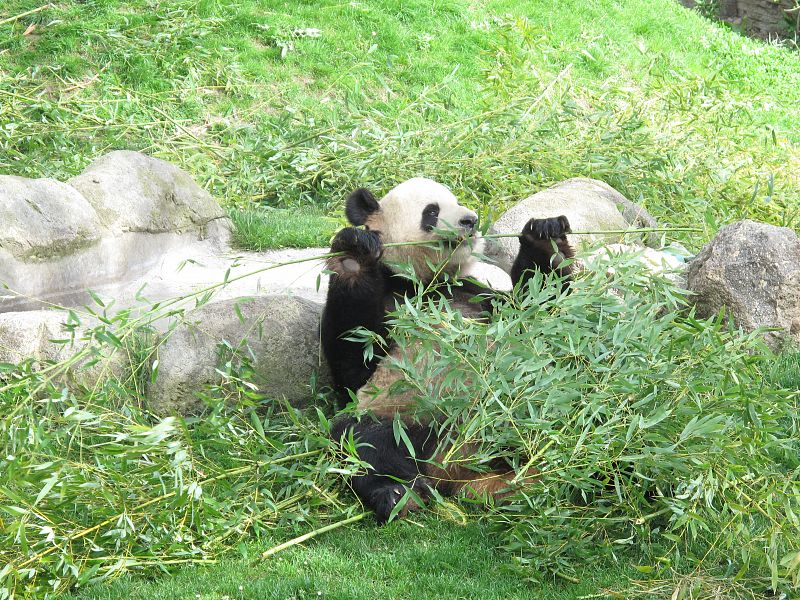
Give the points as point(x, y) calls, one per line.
point(365, 286)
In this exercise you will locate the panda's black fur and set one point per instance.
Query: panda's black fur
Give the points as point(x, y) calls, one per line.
point(363, 289)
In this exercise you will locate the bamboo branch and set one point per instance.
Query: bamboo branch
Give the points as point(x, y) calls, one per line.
point(494, 236)
point(25, 14)
point(164, 308)
point(312, 534)
point(236, 471)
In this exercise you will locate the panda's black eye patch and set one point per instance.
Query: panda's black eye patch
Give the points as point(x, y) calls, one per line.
point(430, 216)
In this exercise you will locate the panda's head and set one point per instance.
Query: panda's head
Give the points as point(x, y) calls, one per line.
point(420, 210)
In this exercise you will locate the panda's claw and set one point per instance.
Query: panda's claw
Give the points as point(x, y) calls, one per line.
point(385, 499)
point(358, 243)
point(537, 230)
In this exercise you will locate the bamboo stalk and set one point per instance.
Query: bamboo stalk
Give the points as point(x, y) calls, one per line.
point(25, 14)
point(312, 534)
point(566, 577)
point(494, 236)
point(609, 231)
point(163, 308)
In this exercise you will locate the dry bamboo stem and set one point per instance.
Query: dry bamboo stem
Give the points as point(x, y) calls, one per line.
point(25, 14)
point(312, 534)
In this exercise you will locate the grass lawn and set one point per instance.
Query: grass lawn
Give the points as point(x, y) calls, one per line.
point(280, 109)
point(786, 372)
point(288, 104)
point(266, 228)
point(429, 559)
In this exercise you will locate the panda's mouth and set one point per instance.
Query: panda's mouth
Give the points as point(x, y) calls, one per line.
point(454, 236)
point(459, 238)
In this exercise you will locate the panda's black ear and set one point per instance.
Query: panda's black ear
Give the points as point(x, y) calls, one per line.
point(360, 205)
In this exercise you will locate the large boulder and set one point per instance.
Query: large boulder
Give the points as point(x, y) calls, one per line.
point(112, 223)
point(28, 335)
point(136, 230)
point(44, 223)
point(132, 192)
point(43, 219)
point(42, 337)
point(590, 205)
point(277, 335)
point(753, 270)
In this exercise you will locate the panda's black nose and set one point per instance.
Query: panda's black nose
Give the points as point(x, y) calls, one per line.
point(468, 222)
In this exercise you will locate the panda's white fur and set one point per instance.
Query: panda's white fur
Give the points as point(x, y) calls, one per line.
point(398, 220)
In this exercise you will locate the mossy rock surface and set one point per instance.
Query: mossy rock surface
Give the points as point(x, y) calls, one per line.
point(275, 336)
point(109, 225)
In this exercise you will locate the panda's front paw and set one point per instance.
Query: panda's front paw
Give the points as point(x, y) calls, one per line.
point(358, 243)
point(353, 251)
point(537, 230)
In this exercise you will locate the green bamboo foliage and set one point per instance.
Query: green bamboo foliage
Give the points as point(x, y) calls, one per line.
point(92, 485)
point(633, 427)
point(638, 433)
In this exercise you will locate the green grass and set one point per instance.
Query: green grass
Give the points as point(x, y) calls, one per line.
point(262, 229)
point(430, 559)
point(786, 372)
point(496, 99)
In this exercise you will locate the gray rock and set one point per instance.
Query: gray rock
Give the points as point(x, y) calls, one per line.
point(43, 219)
point(134, 192)
point(590, 205)
point(132, 227)
point(27, 335)
point(278, 335)
point(41, 337)
point(56, 242)
point(753, 270)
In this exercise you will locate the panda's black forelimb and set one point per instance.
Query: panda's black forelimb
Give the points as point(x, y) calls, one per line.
point(360, 285)
point(357, 287)
point(543, 247)
point(362, 245)
point(392, 466)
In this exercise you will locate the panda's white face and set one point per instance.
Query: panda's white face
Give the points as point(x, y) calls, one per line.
point(419, 210)
point(415, 208)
